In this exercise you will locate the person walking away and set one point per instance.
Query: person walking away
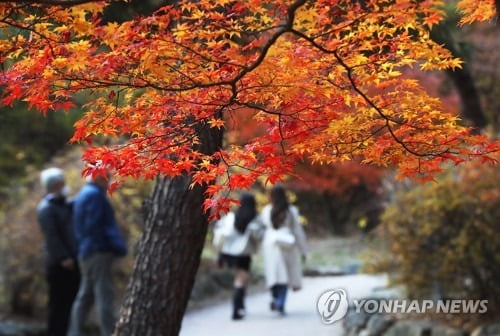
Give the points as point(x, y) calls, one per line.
point(62, 273)
point(236, 237)
point(99, 244)
point(283, 245)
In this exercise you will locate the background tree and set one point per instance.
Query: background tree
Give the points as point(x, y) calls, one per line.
point(323, 76)
point(485, 67)
point(343, 198)
point(448, 34)
point(462, 79)
point(18, 152)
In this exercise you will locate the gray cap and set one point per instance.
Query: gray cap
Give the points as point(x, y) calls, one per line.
point(50, 178)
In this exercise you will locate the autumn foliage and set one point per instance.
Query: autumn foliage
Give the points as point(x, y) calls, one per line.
point(476, 10)
point(323, 77)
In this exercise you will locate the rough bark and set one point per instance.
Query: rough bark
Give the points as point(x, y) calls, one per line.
point(168, 255)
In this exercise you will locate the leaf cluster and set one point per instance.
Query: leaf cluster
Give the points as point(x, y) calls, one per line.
point(324, 78)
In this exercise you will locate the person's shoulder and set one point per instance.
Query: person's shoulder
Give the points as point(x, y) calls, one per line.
point(43, 205)
point(294, 210)
point(255, 223)
point(267, 208)
point(230, 216)
point(227, 218)
point(265, 215)
point(70, 201)
point(88, 190)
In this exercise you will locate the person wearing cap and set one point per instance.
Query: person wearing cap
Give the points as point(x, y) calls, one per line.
point(63, 276)
point(99, 244)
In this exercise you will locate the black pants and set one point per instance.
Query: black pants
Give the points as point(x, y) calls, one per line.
point(63, 286)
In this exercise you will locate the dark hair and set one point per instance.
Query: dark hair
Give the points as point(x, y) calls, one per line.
point(245, 213)
point(280, 205)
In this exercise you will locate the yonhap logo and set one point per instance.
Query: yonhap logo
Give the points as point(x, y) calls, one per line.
point(332, 305)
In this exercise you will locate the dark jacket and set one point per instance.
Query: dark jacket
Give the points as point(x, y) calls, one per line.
point(95, 225)
point(54, 217)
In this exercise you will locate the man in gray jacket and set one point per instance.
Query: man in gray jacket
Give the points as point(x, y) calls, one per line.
point(63, 276)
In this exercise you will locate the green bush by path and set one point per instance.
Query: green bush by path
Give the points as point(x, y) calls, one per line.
point(443, 236)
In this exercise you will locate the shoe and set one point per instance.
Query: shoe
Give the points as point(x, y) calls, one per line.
point(273, 306)
point(238, 304)
point(237, 317)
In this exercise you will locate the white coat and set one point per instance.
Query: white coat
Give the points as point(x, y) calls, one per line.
point(283, 265)
point(230, 241)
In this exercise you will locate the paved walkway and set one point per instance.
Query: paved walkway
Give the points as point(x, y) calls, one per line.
point(301, 319)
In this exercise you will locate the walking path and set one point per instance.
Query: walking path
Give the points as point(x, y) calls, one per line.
point(301, 319)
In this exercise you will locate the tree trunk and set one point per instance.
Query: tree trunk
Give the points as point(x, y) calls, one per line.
point(337, 226)
point(497, 6)
point(471, 105)
point(462, 79)
point(168, 255)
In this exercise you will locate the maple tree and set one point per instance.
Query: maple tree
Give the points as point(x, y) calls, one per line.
point(328, 194)
point(324, 77)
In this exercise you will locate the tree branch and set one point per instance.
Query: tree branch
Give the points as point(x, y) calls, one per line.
point(387, 119)
point(288, 27)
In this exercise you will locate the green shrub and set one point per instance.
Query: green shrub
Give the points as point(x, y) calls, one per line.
point(444, 235)
point(29, 139)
